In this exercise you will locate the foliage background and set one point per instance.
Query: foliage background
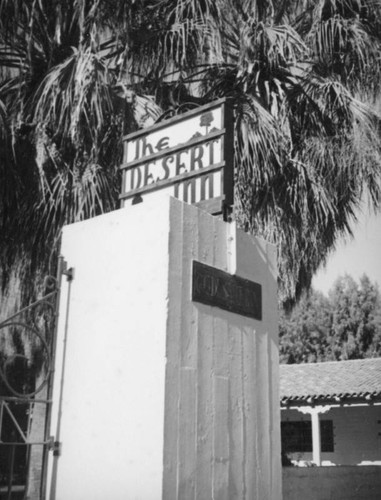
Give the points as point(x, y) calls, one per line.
point(344, 325)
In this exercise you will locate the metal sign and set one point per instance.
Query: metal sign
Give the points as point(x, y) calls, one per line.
point(214, 287)
point(189, 156)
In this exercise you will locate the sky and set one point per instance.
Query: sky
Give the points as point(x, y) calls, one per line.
point(356, 256)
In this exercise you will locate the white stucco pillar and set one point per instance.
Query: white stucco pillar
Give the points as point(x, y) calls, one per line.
point(315, 411)
point(316, 445)
point(164, 397)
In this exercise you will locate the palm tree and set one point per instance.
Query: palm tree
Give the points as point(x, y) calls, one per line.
point(303, 77)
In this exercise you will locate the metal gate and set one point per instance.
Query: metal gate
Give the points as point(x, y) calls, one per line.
point(26, 385)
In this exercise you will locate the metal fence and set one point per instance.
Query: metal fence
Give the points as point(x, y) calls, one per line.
point(26, 383)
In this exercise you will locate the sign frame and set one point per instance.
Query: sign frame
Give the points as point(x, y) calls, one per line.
point(217, 205)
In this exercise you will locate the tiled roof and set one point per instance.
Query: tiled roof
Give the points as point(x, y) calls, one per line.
point(332, 380)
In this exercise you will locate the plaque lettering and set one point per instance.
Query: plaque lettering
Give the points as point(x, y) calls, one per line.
point(214, 287)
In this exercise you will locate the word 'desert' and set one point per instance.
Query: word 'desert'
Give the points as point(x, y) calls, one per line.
point(173, 165)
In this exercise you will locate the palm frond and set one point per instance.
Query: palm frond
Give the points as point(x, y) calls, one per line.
point(344, 47)
point(74, 96)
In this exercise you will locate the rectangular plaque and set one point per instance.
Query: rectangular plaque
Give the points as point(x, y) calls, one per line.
point(214, 287)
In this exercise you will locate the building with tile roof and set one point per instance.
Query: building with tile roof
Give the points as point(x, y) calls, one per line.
point(333, 381)
point(331, 412)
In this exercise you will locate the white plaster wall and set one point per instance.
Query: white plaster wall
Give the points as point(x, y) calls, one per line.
point(222, 402)
point(357, 435)
point(113, 394)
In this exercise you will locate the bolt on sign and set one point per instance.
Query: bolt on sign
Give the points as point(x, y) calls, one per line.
point(189, 156)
